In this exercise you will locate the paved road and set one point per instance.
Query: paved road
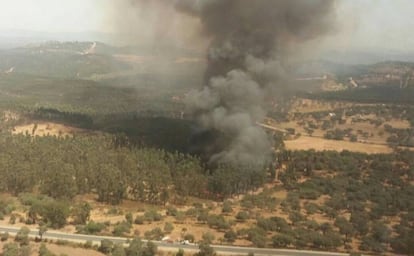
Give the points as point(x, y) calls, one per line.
point(221, 249)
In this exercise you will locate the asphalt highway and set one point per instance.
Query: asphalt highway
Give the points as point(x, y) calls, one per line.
point(220, 249)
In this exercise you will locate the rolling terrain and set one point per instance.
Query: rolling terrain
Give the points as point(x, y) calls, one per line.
point(115, 134)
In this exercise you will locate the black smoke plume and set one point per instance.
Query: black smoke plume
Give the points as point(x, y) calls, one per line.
point(249, 39)
point(249, 42)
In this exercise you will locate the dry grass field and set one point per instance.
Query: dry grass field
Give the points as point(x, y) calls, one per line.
point(46, 129)
point(320, 144)
point(370, 136)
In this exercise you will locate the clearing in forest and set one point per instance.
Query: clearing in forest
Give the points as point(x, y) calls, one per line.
point(46, 128)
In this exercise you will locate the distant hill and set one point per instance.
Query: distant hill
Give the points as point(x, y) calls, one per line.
point(323, 67)
point(19, 38)
point(66, 60)
point(367, 56)
point(398, 73)
point(383, 82)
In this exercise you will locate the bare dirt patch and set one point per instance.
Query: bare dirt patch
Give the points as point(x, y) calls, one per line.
point(399, 124)
point(59, 250)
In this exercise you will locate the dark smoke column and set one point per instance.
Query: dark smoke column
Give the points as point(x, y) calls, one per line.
point(248, 40)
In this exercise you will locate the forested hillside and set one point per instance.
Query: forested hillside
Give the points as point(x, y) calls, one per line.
point(354, 197)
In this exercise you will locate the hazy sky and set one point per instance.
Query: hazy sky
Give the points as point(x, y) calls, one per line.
point(51, 15)
point(364, 23)
point(376, 23)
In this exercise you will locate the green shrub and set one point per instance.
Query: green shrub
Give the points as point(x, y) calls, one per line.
point(129, 218)
point(114, 211)
point(152, 215)
point(189, 237)
point(91, 228)
point(168, 227)
point(227, 207)
point(282, 241)
point(154, 234)
point(62, 242)
point(106, 246)
point(12, 219)
point(242, 216)
point(172, 211)
point(88, 244)
point(139, 220)
point(4, 236)
point(230, 236)
point(121, 228)
point(22, 236)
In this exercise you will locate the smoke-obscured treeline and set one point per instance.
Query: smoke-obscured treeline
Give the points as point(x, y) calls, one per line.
point(148, 95)
point(385, 94)
point(65, 167)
